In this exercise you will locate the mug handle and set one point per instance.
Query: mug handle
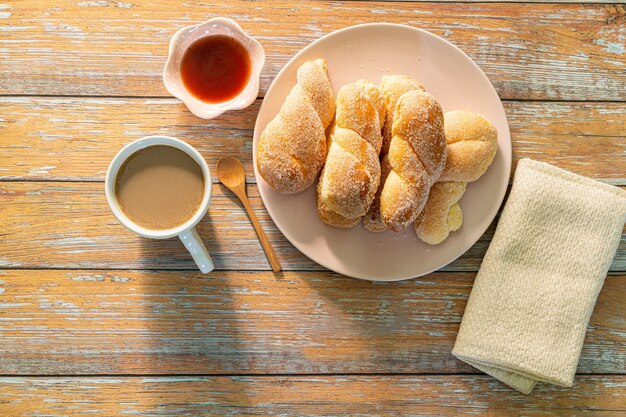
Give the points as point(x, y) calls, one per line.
point(196, 248)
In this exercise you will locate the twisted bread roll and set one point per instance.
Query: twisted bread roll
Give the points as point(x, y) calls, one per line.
point(330, 217)
point(472, 145)
point(351, 175)
point(417, 155)
point(442, 213)
point(393, 87)
point(292, 148)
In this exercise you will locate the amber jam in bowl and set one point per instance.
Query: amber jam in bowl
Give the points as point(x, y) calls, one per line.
point(214, 67)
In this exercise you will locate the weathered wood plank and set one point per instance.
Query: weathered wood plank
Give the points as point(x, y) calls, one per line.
point(529, 51)
point(76, 138)
point(510, 1)
point(69, 225)
point(140, 322)
point(513, 1)
point(307, 396)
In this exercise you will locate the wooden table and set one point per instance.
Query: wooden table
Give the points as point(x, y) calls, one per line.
point(95, 320)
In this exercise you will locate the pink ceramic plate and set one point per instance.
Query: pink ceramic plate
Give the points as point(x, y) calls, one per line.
point(371, 51)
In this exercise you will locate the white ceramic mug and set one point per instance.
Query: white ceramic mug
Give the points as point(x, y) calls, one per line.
point(186, 231)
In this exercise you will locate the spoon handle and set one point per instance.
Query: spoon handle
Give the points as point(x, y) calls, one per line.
point(269, 251)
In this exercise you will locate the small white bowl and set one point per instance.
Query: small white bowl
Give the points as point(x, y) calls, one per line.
point(188, 35)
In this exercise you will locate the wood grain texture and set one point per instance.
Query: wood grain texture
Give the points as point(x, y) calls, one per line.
point(69, 225)
point(230, 172)
point(307, 396)
point(511, 1)
point(76, 138)
point(529, 51)
point(140, 322)
point(69, 318)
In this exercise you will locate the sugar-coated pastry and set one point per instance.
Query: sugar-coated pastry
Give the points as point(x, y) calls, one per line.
point(472, 145)
point(351, 175)
point(442, 213)
point(417, 155)
point(292, 147)
point(393, 87)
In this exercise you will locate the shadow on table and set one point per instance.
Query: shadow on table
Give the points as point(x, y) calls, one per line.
point(393, 327)
point(190, 323)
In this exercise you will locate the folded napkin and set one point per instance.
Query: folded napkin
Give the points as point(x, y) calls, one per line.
point(526, 317)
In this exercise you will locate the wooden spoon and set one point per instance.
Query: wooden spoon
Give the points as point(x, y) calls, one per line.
point(230, 173)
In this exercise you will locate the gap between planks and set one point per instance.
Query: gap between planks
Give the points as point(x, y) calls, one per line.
point(259, 375)
point(262, 96)
point(616, 182)
point(492, 1)
point(275, 375)
point(243, 271)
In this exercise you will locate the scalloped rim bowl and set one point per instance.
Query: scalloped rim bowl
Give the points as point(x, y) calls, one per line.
point(188, 35)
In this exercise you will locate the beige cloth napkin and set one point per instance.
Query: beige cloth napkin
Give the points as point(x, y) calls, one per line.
point(527, 314)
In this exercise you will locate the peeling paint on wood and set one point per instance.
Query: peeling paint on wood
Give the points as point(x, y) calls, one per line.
point(363, 396)
point(133, 322)
point(118, 321)
point(529, 51)
point(74, 138)
point(71, 226)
